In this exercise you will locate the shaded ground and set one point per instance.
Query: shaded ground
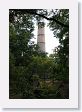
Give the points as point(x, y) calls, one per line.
point(43, 90)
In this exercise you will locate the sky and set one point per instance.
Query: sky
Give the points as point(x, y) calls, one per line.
point(50, 41)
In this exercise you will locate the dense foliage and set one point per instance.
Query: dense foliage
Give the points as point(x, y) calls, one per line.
point(33, 74)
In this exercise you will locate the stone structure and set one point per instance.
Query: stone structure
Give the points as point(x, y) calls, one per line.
point(41, 37)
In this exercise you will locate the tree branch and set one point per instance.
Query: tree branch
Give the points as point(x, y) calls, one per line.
point(34, 12)
point(53, 19)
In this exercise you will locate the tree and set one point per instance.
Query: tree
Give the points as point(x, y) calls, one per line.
point(62, 51)
point(29, 65)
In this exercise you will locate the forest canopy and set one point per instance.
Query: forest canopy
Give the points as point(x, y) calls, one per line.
point(33, 74)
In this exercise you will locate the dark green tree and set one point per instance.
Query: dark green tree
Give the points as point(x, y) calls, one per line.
point(27, 65)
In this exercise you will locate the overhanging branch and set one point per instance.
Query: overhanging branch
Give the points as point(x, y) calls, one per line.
point(34, 12)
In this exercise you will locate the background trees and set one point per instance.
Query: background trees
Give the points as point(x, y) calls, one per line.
point(62, 51)
point(32, 73)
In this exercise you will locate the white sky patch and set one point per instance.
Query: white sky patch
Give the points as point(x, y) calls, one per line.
point(51, 41)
